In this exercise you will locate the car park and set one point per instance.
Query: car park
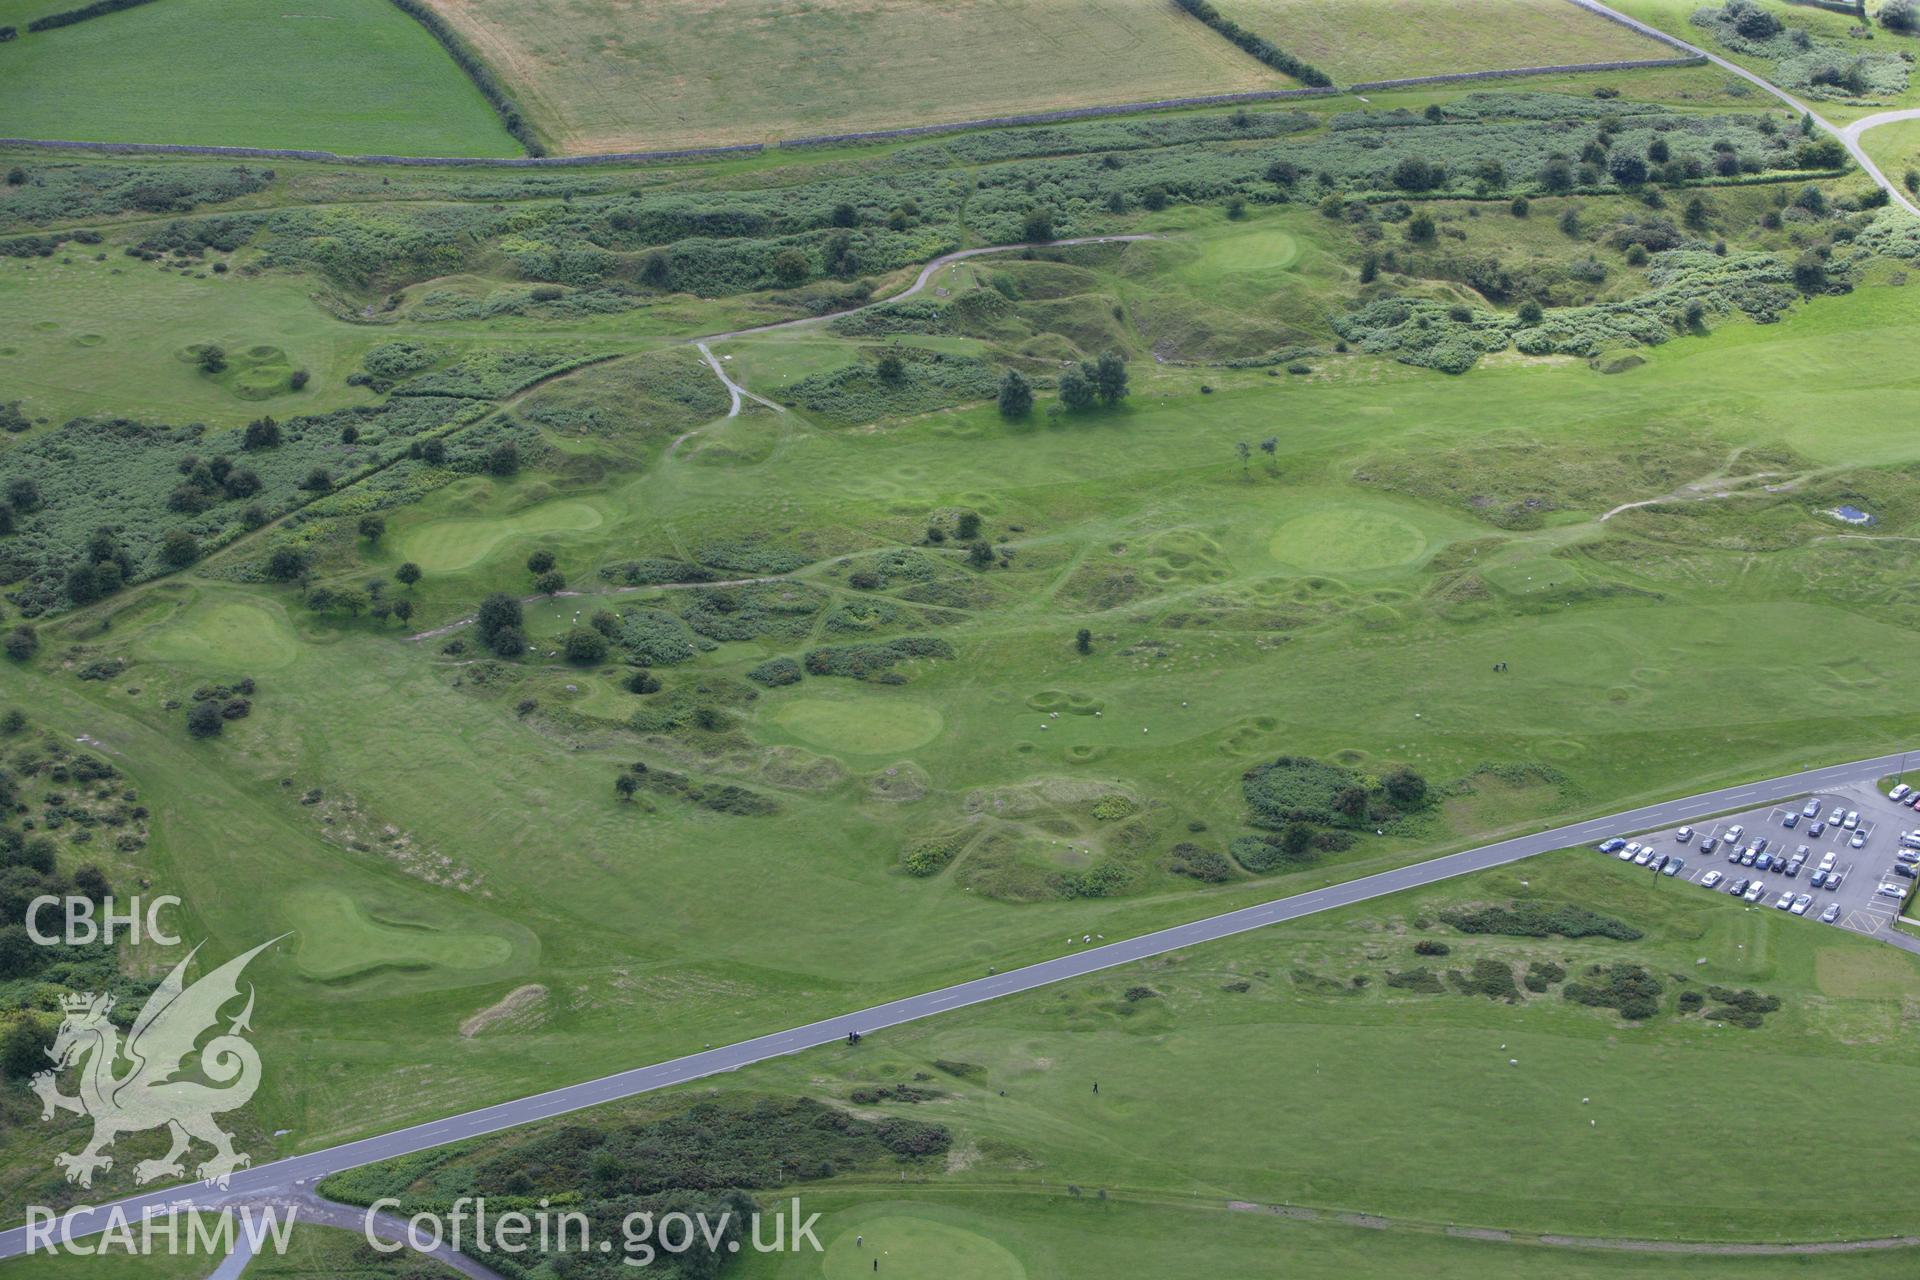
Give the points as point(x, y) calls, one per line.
point(1859, 840)
point(1791, 820)
point(1612, 846)
point(1801, 903)
point(1831, 914)
point(1754, 891)
point(1683, 835)
point(1711, 879)
point(1674, 867)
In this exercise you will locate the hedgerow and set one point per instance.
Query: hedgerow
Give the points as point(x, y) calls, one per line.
point(477, 70)
point(67, 17)
point(1257, 45)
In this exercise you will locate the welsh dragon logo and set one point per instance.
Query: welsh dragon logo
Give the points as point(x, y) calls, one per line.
point(151, 1091)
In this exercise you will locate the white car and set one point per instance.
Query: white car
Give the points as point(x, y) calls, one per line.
point(1859, 840)
point(1711, 879)
point(1900, 792)
point(1754, 891)
point(1784, 902)
point(1643, 857)
point(1826, 862)
point(1733, 834)
point(1831, 914)
point(1892, 889)
point(1852, 819)
point(1627, 854)
point(1683, 835)
point(1801, 903)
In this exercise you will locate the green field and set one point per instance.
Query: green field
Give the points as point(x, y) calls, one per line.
point(742, 71)
point(1358, 40)
point(351, 76)
point(829, 732)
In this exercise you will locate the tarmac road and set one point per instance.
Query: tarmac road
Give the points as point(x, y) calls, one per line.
point(282, 1177)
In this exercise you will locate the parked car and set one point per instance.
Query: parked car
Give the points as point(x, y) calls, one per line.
point(1709, 845)
point(1833, 881)
point(1831, 914)
point(1904, 869)
point(1859, 840)
point(1801, 903)
point(1783, 902)
point(1900, 792)
point(1794, 864)
point(1734, 833)
point(1815, 827)
point(1711, 879)
point(1643, 857)
point(1760, 845)
point(1674, 867)
point(1683, 835)
point(1827, 860)
point(1906, 855)
point(1791, 820)
point(1852, 819)
point(1819, 878)
point(1748, 858)
point(1910, 839)
point(1892, 890)
point(1754, 891)
point(1627, 851)
point(1738, 887)
point(1612, 846)
point(1660, 863)
point(1913, 801)
point(1811, 809)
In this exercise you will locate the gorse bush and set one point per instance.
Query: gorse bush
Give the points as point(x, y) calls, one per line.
point(1534, 919)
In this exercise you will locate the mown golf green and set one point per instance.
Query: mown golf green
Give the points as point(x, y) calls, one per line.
point(863, 726)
